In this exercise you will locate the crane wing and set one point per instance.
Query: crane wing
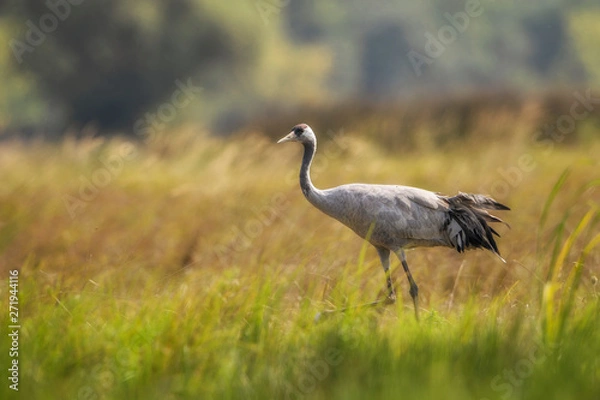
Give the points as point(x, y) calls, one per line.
point(402, 216)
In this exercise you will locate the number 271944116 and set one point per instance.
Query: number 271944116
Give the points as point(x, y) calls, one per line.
point(13, 300)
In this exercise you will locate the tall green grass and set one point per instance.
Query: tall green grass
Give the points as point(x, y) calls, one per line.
point(562, 279)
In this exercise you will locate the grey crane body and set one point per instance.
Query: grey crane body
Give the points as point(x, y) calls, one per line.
point(393, 218)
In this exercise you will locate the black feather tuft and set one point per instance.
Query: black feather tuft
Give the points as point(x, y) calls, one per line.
point(467, 224)
point(479, 201)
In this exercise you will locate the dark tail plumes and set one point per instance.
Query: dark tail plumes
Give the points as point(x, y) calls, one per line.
point(467, 223)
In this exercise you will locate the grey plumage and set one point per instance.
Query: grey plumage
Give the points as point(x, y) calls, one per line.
point(393, 218)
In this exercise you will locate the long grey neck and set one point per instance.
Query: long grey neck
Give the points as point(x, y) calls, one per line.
point(315, 196)
point(306, 185)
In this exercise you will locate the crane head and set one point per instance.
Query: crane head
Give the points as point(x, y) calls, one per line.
point(300, 133)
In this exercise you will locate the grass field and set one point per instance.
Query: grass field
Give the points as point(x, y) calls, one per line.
point(192, 267)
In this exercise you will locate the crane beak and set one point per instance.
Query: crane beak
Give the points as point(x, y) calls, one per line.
point(291, 137)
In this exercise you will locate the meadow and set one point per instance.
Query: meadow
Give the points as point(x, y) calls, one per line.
point(190, 266)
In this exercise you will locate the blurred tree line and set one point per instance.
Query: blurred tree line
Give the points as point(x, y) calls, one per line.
point(120, 65)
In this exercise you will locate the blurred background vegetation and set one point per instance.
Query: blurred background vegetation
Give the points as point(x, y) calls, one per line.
point(68, 65)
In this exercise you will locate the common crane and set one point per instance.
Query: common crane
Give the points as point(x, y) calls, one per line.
point(394, 218)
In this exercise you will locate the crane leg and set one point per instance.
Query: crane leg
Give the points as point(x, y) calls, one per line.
point(414, 289)
point(384, 256)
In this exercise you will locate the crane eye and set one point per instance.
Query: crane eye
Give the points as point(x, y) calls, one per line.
point(299, 131)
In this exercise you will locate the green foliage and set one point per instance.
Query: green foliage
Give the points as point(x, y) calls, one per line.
point(585, 32)
point(109, 63)
point(20, 102)
point(557, 308)
point(114, 62)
